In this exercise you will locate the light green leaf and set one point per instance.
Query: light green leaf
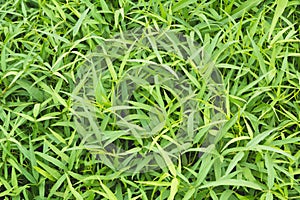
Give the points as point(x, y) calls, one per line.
point(281, 5)
point(79, 22)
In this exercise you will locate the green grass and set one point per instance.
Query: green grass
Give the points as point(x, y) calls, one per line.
point(255, 45)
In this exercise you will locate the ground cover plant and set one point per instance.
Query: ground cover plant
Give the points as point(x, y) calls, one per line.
point(255, 46)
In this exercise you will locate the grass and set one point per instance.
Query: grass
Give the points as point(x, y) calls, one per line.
point(254, 44)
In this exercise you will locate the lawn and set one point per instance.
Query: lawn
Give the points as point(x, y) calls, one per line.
point(149, 99)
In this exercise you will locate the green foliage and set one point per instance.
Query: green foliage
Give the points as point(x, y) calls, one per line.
point(255, 44)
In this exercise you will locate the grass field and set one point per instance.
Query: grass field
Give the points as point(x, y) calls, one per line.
point(254, 44)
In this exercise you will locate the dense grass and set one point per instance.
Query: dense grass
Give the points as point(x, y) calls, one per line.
point(255, 44)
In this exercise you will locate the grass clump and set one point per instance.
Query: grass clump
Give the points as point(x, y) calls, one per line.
point(254, 44)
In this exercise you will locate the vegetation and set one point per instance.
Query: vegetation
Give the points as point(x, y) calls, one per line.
point(255, 45)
